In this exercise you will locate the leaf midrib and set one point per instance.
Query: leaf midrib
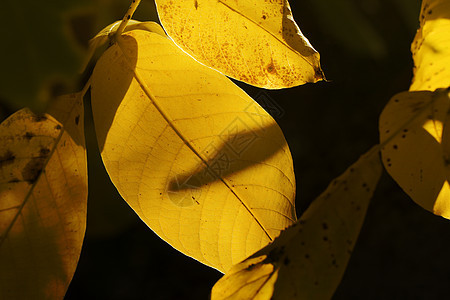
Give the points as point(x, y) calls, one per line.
point(269, 32)
point(30, 192)
point(169, 121)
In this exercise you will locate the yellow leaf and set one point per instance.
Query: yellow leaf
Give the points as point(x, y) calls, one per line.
point(308, 260)
point(107, 34)
point(200, 162)
point(431, 47)
point(256, 41)
point(43, 194)
point(411, 129)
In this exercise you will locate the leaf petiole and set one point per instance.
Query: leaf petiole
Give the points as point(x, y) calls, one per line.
point(133, 6)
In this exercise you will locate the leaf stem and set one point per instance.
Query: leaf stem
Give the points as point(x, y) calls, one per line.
point(134, 4)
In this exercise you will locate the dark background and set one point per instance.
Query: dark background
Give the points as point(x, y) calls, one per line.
point(402, 252)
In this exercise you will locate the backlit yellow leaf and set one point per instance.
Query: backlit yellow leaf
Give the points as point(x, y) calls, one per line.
point(308, 260)
point(255, 41)
point(43, 194)
point(201, 163)
point(412, 126)
point(431, 47)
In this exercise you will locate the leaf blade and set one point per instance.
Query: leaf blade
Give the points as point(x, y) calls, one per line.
point(192, 142)
point(431, 47)
point(308, 259)
point(413, 153)
point(255, 42)
point(43, 194)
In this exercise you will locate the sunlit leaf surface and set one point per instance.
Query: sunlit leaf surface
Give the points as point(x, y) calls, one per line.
point(201, 163)
point(413, 125)
point(43, 194)
point(255, 41)
point(431, 47)
point(308, 260)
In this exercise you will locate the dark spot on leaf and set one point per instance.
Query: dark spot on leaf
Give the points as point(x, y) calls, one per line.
point(28, 135)
point(364, 184)
point(430, 11)
point(14, 180)
point(334, 263)
point(6, 159)
point(44, 152)
point(77, 120)
point(395, 147)
point(271, 68)
point(33, 169)
point(324, 226)
point(275, 254)
point(307, 256)
point(264, 17)
point(316, 282)
point(39, 118)
point(325, 238)
point(58, 127)
point(286, 261)
point(195, 4)
point(396, 100)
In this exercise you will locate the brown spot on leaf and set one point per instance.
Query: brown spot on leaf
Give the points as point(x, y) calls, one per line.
point(44, 152)
point(33, 169)
point(271, 68)
point(275, 254)
point(39, 118)
point(77, 120)
point(6, 159)
point(28, 135)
